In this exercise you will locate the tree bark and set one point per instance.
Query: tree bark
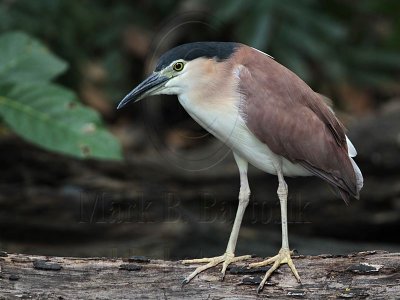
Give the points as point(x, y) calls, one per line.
point(372, 275)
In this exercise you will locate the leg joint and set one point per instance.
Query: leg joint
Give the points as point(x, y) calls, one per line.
point(244, 195)
point(282, 189)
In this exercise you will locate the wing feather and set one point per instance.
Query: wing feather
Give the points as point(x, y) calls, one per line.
point(294, 121)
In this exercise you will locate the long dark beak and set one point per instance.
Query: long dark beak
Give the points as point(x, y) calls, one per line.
point(149, 85)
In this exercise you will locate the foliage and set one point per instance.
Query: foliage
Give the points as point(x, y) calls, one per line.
point(328, 43)
point(44, 113)
point(328, 39)
point(86, 31)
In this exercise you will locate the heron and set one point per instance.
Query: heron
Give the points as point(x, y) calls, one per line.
point(268, 116)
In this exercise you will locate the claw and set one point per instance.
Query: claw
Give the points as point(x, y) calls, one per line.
point(222, 276)
point(260, 288)
point(184, 281)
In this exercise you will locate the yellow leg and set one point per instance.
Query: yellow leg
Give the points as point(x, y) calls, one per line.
point(283, 257)
point(229, 256)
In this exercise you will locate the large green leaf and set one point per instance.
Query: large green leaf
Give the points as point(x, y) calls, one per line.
point(24, 59)
point(51, 117)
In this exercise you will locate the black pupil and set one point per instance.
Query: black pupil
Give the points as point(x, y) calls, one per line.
point(178, 66)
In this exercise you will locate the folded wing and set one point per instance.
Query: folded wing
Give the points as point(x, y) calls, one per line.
point(295, 122)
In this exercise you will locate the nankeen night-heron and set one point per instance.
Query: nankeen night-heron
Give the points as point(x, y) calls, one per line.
point(267, 115)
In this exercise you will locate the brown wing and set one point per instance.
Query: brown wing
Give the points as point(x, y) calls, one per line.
point(293, 120)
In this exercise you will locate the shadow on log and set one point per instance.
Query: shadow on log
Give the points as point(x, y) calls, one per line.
point(372, 274)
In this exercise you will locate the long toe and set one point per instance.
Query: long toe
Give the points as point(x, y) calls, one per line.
point(264, 263)
point(283, 257)
point(226, 259)
point(201, 269)
point(201, 260)
point(229, 260)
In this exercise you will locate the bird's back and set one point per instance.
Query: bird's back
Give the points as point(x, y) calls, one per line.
point(294, 121)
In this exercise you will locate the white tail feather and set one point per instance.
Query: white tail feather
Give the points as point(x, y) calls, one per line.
point(359, 177)
point(352, 151)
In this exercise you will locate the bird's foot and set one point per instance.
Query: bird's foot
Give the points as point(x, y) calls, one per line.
point(226, 259)
point(283, 257)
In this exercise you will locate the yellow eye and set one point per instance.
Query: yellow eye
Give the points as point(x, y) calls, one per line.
point(178, 66)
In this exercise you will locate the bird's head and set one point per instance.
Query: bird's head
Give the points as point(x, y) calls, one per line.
point(183, 68)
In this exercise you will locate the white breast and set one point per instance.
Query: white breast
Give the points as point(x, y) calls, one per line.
point(226, 123)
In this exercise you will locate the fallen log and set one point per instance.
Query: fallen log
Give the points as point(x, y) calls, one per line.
point(372, 275)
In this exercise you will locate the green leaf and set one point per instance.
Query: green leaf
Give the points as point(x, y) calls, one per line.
point(50, 116)
point(24, 59)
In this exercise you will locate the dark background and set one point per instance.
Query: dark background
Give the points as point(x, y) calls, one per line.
point(175, 193)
